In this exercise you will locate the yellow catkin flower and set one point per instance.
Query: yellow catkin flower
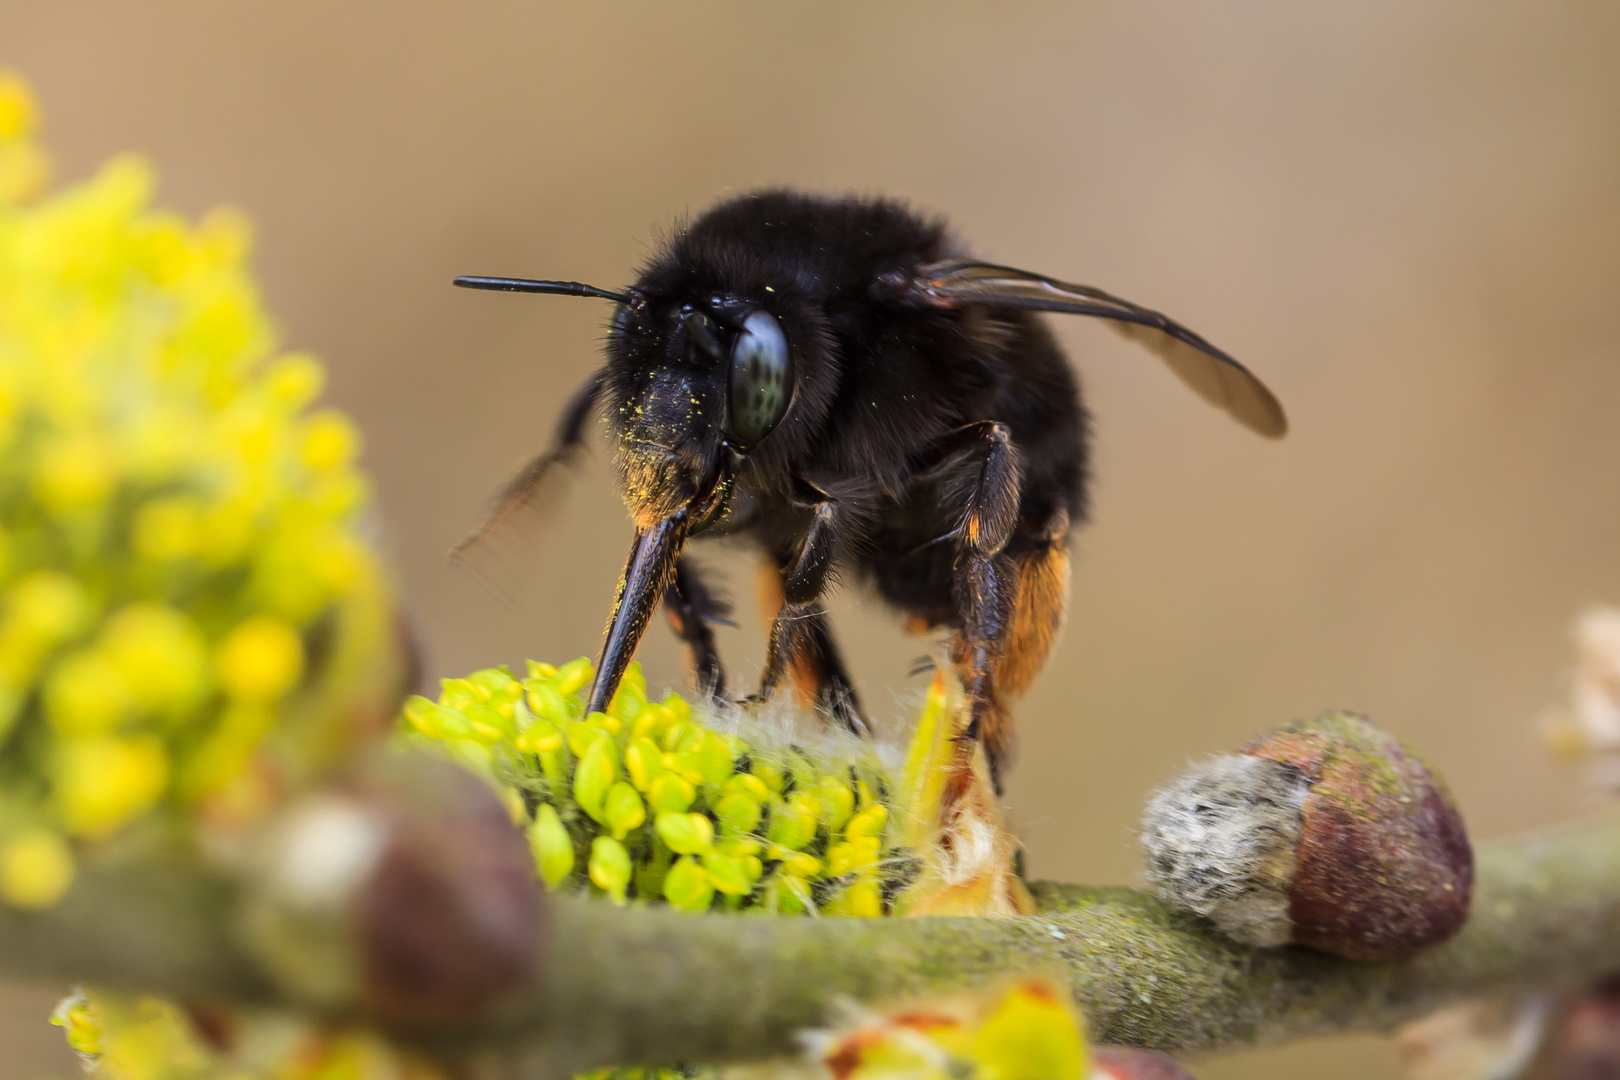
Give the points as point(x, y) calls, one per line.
point(161, 657)
point(19, 116)
point(79, 1015)
point(102, 783)
point(74, 474)
point(294, 380)
point(330, 441)
point(47, 606)
point(260, 660)
point(167, 529)
point(86, 694)
point(36, 868)
point(24, 167)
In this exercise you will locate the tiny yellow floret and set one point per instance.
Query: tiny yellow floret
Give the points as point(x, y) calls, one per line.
point(260, 660)
point(36, 868)
point(101, 783)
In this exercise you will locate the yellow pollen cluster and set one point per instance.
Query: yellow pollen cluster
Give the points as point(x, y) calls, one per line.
point(651, 801)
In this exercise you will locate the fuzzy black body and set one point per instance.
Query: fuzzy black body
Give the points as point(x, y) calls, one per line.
point(881, 386)
point(833, 379)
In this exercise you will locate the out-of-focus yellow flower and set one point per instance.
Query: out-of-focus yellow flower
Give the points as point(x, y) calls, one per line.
point(161, 656)
point(86, 694)
point(47, 606)
point(102, 783)
point(74, 473)
point(79, 1015)
point(36, 868)
point(260, 660)
point(24, 168)
point(1025, 1031)
point(146, 1039)
point(330, 441)
point(19, 116)
point(178, 521)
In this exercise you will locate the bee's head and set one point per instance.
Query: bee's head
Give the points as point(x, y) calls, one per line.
point(711, 370)
point(701, 380)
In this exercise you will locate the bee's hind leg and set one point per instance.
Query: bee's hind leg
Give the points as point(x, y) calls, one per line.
point(987, 579)
point(693, 608)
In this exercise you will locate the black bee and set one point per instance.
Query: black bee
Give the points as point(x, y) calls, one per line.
point(836, 379)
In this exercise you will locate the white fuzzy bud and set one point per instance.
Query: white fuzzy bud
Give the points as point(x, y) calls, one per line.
point(1222, 841)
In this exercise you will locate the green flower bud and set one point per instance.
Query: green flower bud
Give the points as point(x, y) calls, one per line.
point(738, 813)
point(582, 734)
point(837, 802)
point(552, 846)
point(473, 754)
point(685, 834)
point(610, 867)
point(856, 854)
point(749, 783)
point(862, 900)
point(787, 895)
point(495, 683)
point(677, 734)
point(548, 702)
point(651, 723)
point(540, 737)
point(688, 886)
point(671, 794)
point(642, 759)
point(791, 829)
point(687, 765)
point(572, 676)
point(869, 822)
point(628, 702)
point(678, 707)
point(796, 863)
point(729, 875)
point(554, 764)
point(536, 670)
point(488, 725)
point(712, 759)
point(458, 693)
point(802, 802)
point(768, 774)
point(622, 810)
point(594, 775)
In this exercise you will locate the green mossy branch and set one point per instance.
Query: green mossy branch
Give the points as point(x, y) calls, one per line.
point(621, 986)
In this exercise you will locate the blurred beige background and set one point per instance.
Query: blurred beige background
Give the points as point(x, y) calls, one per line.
point(1406, 220)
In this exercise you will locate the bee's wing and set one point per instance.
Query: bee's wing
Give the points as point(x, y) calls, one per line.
point(534, 487)
point(1212, 374)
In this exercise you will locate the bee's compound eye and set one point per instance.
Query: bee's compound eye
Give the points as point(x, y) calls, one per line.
point(761, 379)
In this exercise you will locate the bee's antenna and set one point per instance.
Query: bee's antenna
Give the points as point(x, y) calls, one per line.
point(562, 288)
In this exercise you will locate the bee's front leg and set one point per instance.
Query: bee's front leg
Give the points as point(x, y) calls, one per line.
point(692, 607)
point(801, 642)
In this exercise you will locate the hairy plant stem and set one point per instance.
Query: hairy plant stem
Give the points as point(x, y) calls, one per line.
point(657, 986)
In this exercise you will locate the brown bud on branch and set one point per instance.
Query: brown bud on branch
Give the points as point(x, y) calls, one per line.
point(1327, 832)
point(403, 892)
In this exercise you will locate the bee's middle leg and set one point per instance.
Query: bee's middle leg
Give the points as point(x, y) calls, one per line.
point(801, 644)
point(692, 607)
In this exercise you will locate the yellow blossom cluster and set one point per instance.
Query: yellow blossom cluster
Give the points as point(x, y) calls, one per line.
point(653, 801)
point(177, 526)
point(147, 1038)
point(1027, 1030)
